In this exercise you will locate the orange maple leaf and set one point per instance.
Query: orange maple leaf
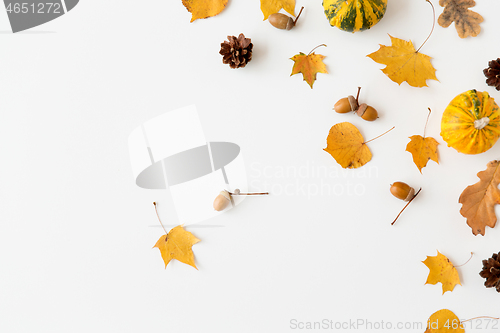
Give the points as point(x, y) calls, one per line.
point(442, 270)
point(422, 149)
point(177, 244)
point(404, 63)
point(308, 65)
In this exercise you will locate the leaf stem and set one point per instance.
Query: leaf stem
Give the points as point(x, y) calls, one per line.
point(488, 317)
point(156, 210)
point(428, 115)
point(406, 206)
point(380, 135)
point(316, 48)
point(471, 254)
point(433, 25)
point(294, 22)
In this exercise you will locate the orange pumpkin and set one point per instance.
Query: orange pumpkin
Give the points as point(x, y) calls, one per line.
point(471, 122)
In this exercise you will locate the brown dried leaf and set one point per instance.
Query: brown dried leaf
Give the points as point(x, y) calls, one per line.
point(466, 21)
point(479, 200)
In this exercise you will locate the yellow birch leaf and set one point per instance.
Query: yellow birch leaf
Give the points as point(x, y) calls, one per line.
point(177, 245)
point(444, 321)
point(308, 65)
point(346, 145)
point(201, 9)
point(269, 7)
point(422, 150)
point(404, 63)
point(442, 270)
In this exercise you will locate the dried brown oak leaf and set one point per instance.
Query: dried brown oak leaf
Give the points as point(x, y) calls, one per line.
point(466, 21)
point(479, 200)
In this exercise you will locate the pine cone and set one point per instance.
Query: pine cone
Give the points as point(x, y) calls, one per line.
point(491, 272)
point(492, 73)
point(237, 52)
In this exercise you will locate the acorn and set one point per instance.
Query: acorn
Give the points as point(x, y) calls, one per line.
point(282, 21)
point(349, 103)
point(222, 200)
point(367, 112)
point(224, 197)
point(402, 191)
point(346, 104)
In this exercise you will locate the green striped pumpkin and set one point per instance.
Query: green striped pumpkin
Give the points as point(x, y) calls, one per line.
point(354, 15)
point(471, 122)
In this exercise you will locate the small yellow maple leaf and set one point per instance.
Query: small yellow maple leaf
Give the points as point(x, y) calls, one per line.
point(444, 321)
point(308, 65)
point(201, 9)
point(346, 145)
point(442, 270)
point(269, 7)
point(177, 245)
point(404, 63)
point(422, 149)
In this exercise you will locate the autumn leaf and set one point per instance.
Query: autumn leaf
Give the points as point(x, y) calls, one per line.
point(404, 63)
point(309, 65)
point(466, 21)
point(201, 9)
point(442, 270)
point(444, 321)
point(177, 245)
point(269, 7)
point(479, 200)
point(347, 146)
point(422, 150)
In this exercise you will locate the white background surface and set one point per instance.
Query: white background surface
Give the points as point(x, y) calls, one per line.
point(76, 234)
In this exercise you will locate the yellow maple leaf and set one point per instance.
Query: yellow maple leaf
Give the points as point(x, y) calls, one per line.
point(177, 245)
point(201, 9)
point(404, 63)
point(442, 270)
point(346, 145)
point(308, 65)
point(269, 7)
point(444, 321)
point(422, 149)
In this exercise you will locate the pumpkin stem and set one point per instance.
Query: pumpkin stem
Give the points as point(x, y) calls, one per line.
point(433, 25)
point(479, 124)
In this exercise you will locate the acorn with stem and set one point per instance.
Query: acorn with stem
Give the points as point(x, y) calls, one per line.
point(351, 104)
point(282, 21)
point(225, 197)
point(403, 192)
